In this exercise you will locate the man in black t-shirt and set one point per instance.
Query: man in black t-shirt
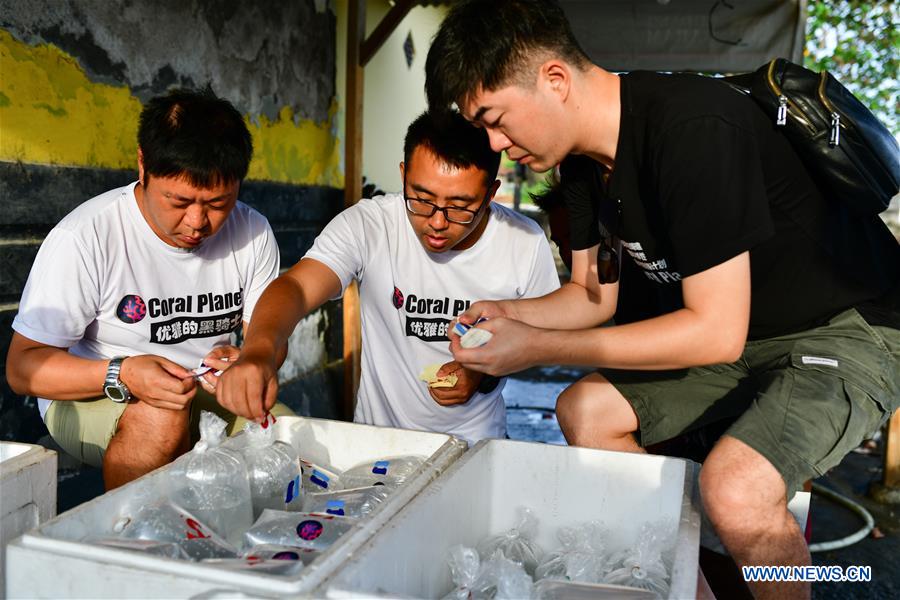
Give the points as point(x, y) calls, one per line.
point(787, 318)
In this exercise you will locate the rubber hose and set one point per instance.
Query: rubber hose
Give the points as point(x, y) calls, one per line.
point(853, 506)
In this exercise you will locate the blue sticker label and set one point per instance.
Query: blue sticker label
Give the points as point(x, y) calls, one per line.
point(460, 329)
point(381, 467)
point(319, 478)
point(293, 490)
point(335, 507)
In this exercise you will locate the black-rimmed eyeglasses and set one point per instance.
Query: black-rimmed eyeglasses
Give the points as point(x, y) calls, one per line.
point(424, 208)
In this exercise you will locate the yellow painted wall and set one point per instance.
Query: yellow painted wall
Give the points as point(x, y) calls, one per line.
point(51, 113)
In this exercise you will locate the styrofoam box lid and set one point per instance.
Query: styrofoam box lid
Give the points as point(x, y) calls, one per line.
point(480, 494)
point(335, 443)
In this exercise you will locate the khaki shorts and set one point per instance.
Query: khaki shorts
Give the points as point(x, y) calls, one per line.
point(83, 428)
point(802, 400)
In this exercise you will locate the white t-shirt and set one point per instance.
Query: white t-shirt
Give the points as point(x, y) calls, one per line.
point(407, 297)
point(103, 284)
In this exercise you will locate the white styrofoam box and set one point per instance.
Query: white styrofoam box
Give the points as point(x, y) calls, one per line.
point(27, 492)
point(480, 494)
point(80, 569)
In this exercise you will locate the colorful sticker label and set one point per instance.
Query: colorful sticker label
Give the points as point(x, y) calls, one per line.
point(335, 507)
point(293, 490)
point(319, 478)
point(381, 467)
point(309, 530)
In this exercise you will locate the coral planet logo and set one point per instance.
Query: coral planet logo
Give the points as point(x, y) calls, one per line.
point(397, 298)
point(131, 309)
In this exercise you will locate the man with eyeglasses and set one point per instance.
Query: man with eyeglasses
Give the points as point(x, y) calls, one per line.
point(420, 259)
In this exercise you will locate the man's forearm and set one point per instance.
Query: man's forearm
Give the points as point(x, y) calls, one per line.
point(570, 307)
point(55, 374)
point(275, 316)
point(676, 340)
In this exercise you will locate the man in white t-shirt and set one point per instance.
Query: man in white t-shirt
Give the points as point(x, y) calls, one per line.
point(137, 286)
point(420, 259)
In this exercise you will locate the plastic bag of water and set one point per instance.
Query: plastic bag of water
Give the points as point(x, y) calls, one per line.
point(164, 522)
point(464, 567)
point(319, 478)
point(583, 556)
point(518, 543)
point(386, 471)
point(495, 578)
point(211, 482)
point(304, 530)
point(273, 469)
point(643, 566)
point(358, 502)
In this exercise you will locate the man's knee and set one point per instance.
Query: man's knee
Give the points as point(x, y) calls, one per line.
point(151, 431)
point(593, 406)
point(740, 488)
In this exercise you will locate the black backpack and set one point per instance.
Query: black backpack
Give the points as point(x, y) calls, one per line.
point(846, 149)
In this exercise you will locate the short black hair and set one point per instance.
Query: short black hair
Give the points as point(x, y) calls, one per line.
point(488, 43)
point(452, 139)
point(194, 135)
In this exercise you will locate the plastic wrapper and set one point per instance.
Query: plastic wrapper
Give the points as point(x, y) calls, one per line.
point(643, 566)
point(516, 544)
point(156, 548)
point(273, 470)
point(274, 551)
point(277, 566)
point(583, 556)
point(358, 502)
point(211, 482)
point(387, 471)
point(303, 530)
point(319, 478)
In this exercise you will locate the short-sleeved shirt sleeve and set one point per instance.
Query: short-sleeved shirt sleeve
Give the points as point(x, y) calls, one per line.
point(341, 245)
point(62, 294)
point(267, 262)
point(582, 197)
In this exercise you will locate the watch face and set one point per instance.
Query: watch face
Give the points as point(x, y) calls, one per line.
point(114, 393)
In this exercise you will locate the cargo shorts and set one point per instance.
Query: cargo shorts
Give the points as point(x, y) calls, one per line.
point(83, 428)
point(802, 400)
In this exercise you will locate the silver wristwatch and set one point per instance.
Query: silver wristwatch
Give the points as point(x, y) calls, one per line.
point(113, 387)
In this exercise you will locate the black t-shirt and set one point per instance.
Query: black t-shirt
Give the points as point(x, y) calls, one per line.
point(701, 175)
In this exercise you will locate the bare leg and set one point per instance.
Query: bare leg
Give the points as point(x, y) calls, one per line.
point(745, 499)
point(593, 414)
point(146, 438)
